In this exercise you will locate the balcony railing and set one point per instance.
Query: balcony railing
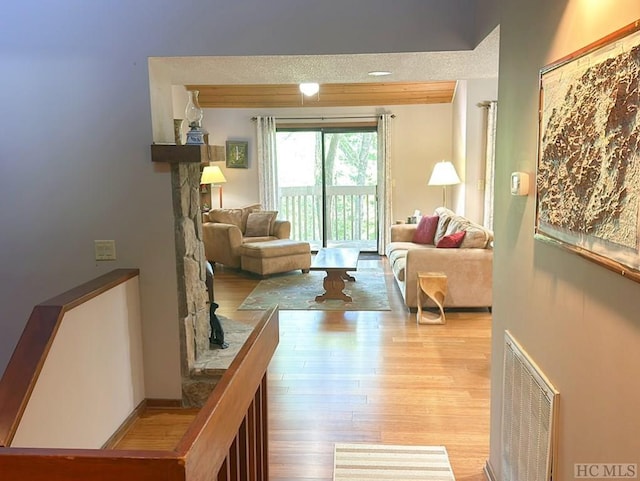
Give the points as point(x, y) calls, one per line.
point(351, 215)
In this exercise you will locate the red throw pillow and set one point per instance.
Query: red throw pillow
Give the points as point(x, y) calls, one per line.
point(426, 230)
point(452, 240)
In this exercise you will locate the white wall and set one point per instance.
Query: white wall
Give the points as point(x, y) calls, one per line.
point(455, 199)
point(577, 320)
point(421, 135)
point(469, 145)
point(92, 378)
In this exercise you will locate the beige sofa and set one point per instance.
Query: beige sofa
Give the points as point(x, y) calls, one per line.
point(469, 268)
point(224, 231)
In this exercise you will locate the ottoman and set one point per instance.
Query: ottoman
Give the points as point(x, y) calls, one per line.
point(275, 256)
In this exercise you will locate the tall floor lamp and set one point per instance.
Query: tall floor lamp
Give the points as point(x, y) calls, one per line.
point(212, 174)
point(444, 174)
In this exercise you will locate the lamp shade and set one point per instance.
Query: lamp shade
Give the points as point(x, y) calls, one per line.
point(212, 174)
point(444, 173)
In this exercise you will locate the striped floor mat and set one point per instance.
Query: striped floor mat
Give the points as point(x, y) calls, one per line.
point(368, 462)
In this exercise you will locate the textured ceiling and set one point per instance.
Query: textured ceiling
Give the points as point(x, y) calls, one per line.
point(482, 62)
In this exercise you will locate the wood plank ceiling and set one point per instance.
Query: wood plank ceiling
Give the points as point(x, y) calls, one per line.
point(330, 95)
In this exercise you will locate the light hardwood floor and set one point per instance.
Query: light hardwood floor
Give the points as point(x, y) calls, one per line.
point(373, 377)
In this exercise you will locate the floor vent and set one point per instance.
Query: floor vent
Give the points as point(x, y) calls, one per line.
point(528, 417)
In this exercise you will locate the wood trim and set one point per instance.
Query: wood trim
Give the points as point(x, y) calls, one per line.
point(203, 449)
point(89, 465)
point(330, 95)
point(612, 37)
point(302, 124)
point(164, 403)
point(125, 426)
point(27, 360)
point(176, 154)
point(210, 437)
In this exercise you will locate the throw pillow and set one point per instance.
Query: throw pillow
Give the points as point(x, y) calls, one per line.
point(246, 210)
point(226, 216)
point(445, 216)
point(426, 230)
point(259, 223)
point(452, 240)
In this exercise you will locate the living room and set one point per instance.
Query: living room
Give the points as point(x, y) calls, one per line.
point(576, 319)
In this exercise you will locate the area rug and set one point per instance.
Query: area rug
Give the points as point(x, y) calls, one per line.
point(297, 291)
point(391, 462)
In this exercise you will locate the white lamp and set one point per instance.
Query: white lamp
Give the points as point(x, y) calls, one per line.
point(212, 174)
point(444, 174)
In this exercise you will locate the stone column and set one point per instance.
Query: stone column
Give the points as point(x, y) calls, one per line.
point(193, 309)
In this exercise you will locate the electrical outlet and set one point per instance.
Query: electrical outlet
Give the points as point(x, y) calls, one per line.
point(105, 250)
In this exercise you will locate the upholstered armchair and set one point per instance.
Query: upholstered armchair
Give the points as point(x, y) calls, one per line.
point(225, 230)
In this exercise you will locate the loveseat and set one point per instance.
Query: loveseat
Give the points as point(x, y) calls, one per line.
point(224, 231)
point(449, 243)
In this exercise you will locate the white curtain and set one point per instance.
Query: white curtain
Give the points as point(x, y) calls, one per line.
point(384, 180)
point(267, 162)
point(489, 176)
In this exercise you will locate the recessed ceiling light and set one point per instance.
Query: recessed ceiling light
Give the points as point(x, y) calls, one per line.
point(309, 88)
point(379, 73)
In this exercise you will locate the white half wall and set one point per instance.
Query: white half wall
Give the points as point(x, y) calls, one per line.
point(92, 378)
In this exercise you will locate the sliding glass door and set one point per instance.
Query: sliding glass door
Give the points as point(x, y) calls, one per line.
point(327, 179)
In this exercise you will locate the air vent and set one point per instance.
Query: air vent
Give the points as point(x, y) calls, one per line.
point(528, 417)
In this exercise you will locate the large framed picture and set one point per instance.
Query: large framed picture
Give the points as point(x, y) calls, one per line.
point(237, 154)
point(588, 166)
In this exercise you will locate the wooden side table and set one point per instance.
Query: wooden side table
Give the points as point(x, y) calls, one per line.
point(431, 285)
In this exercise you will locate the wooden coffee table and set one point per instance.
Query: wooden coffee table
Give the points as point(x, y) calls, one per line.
point(335, 261)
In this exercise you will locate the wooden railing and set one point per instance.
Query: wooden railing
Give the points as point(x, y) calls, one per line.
point(351, 213)
point(226, 441)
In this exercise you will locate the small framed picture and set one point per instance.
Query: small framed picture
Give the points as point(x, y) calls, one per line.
point(237, 154)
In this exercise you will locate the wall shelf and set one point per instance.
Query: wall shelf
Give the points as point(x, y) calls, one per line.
point(173, 154)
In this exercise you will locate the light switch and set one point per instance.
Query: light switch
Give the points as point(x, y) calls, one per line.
point(105, 250)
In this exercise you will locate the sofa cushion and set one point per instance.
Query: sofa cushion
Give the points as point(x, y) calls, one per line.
point(226, 216)
point(477, 236)
point(452, 240)
point(259, 223)
point(426, 230)
point(398, 268)
point(444, 216)
point(397, 254)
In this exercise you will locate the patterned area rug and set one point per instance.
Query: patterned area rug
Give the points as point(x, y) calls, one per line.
point(393, 463)
point(297, 291)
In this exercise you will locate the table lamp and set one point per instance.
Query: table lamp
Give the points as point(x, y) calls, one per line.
point(212, 174)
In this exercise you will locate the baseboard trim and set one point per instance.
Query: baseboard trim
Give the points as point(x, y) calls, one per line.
point(126, 424)
point(488, 471)
point(164, 403)
point(135, 414)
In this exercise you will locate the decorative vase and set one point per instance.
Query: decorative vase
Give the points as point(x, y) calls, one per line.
point(177, 130)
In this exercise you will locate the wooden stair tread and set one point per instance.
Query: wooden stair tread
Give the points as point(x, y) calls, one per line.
point(155, 429)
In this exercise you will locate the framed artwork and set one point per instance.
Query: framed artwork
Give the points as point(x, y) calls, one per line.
point(237, 154)
point(588, 165)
